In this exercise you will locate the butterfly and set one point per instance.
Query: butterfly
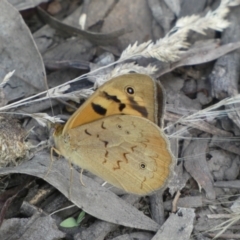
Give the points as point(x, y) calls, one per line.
point(115, 135)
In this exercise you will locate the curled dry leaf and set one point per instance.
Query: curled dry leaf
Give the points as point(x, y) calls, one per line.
point(205, 51)
point(178, 226)
point(95, 199)
point(23, 5)
point(197, 167)
point(93, 37)
point(35, 227)
point(19, 52)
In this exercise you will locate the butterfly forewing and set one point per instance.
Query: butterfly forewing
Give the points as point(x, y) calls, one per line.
point(131, 94)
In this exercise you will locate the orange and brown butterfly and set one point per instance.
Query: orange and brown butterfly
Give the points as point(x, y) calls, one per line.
point(114, 135)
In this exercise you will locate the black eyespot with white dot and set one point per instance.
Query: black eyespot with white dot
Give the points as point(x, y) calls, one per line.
point(143, 166)
point(129, 90)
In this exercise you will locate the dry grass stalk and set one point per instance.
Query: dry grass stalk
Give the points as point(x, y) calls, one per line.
point(222, 227)
point(166, 49)
point(43, 119)
point(208, 114)
point(124, 69)
point(6, 78)
point(73, 96)
point(170, 47)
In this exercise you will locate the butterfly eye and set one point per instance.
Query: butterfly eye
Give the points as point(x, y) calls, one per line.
point(129, 90)
point(142, 165)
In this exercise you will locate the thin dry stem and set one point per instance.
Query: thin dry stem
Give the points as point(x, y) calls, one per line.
point(166, 49)
point(124, 69)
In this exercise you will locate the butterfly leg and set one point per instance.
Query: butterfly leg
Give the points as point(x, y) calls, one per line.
point(81, 180)
point(70, 180)
point(174, 202)
point(104, 184)
point(52, 160)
